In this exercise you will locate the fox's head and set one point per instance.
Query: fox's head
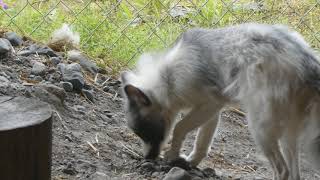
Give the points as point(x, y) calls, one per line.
point(145, 117)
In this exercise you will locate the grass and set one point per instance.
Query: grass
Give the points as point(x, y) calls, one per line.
point(110, 37)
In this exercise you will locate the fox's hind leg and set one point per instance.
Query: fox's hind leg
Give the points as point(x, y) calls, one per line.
point(266, 132)
point(291, 154)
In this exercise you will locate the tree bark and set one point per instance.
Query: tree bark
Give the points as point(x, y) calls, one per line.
point(25, 139)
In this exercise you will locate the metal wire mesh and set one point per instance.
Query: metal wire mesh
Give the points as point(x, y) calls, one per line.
point(118, 30)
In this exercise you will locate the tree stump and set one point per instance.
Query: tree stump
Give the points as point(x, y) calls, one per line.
point(25, 139)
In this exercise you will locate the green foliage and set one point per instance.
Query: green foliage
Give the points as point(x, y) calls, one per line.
point(115, 32)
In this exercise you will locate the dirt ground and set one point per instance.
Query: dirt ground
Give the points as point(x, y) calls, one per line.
point(91, 140)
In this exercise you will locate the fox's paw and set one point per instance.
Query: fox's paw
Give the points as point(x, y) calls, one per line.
point(180, 162)
point(171, 155)
point(195, 158)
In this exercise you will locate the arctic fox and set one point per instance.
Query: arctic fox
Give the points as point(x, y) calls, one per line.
point(268, 69)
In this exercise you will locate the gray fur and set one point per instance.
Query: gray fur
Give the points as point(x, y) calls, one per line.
point(269, 69)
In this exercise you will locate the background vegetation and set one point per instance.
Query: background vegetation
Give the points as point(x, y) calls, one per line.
point(115, 32)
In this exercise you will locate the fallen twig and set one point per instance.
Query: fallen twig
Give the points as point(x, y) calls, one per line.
point(105, 81)
point(115, 96)
point(91, 145)
point(96, 138)
point(61, 120)
point(131, 151)
point(238, 111)
point(96, 78)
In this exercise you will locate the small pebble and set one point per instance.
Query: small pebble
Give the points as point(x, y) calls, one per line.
point(177, 173)
point(38, 78)
point(88, 94)
point(67, 86)
point(180, 162)
point(55, 60)
point(38, 68)
point(149, 166)
point(14, 38)
point(209, 172)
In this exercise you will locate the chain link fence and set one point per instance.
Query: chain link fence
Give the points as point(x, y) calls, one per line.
point(115, 32)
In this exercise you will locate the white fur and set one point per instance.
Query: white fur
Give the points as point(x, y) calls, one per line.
point(65, 34)
point(275, 81)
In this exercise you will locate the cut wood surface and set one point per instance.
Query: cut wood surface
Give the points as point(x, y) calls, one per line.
point(25, 139)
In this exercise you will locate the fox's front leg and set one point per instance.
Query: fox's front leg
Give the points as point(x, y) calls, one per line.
point(195, 118)
point(203, 141)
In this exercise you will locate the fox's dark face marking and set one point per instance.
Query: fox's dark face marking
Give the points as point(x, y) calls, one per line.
point(145, 120)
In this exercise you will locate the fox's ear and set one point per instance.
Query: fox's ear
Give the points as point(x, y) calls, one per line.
point(135, 95)
point(124, 77)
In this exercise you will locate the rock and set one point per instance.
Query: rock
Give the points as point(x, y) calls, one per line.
point(80, 109)
point(155, 174)
point(67, 86)
point(3, 79)
point(177, 173)
point(149, 166)
point(50, 93)
point(165, 168)
point(110, 90)
point(17, 86)
point(14, 38)
point(36, 49)
point(114, 83)
point(99, 176)
point(55, 60)
point(5, 74)
point(101, 79)
point(258, 178)
point(38, 78)
point(108, 113)
point(197, 173)
point(4, 82)
point(89, 94)
point(57, 91)
point(106, 89)
point(38, 68)
point(209, 172)
point(72, 73)
point(85, 63)
point(5, 46)
point(180, 162)
point(70, 170)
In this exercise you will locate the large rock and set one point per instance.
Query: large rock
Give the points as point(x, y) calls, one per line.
point(14, 38)
point(36, 49)
point(57, 91)
point(50, 93)
point(5, 46)
point(85, 62)
point(72, 73)
point(177, 174)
